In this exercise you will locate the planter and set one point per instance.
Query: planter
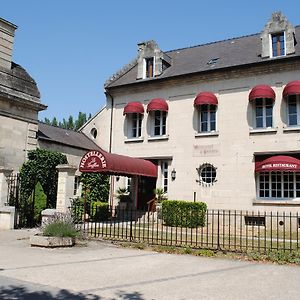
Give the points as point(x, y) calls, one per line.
point(51, 241)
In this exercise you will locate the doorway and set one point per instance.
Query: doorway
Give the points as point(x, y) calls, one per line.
point(145, 191)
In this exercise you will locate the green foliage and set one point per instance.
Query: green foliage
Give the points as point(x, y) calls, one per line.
point(278, 256)
point(71, 123)
point(60, 229)
point(160, 194)
point(40, 167)
point(96, 187)
point(183, 213)
point(123, 195)
point(40, 201)
point(99, 211)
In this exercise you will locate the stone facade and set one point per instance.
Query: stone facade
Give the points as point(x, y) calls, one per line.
point(232, 147)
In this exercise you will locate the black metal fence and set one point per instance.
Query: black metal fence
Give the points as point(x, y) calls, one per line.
point(226, 230)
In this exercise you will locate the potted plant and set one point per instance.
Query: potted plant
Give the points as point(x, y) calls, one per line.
point(59, 231)
point(123, 196)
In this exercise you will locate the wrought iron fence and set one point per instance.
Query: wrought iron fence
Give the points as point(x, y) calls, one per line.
point(226, 230)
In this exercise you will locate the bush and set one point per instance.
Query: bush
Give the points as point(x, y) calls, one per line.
point(183, 213)
point(60, 225)
point(99, 211)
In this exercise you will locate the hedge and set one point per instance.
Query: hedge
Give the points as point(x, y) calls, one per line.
point(183, 213)
point(99, 211)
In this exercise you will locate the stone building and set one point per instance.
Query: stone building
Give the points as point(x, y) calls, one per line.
point(221, 121)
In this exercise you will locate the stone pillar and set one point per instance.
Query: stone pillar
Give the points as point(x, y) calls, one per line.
point(4, 173)
point(65, 187)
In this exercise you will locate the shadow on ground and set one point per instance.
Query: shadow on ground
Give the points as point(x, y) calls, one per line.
point(22, 293)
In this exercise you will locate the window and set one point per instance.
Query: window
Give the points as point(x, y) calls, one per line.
point(128, 184)
point(94, 132)
point(207, 118)
point(134, 125)
point(263, 112)
point(76, 185)
point(149, 67)
point(255, 221)
point(207, 173)
point(160, 118)
point(293, 110)
point(164, 175)
point(278, 185)
point(278, 48)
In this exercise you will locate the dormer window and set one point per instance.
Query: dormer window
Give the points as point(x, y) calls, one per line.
point(278, 44)
point(149, 67)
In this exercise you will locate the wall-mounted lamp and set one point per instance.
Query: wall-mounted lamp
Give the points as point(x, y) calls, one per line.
point(173, 174)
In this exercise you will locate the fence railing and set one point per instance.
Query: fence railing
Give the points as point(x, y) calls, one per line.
point(224, 229)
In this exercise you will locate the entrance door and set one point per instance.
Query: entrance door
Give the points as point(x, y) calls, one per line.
point(145, 191)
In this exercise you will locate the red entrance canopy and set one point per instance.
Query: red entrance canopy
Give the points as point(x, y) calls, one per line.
point(278, 163)
point(100, 161)
point(205, 98)
point(133, 107)
point(158, 104)
point(292, 88)
point(262, 91)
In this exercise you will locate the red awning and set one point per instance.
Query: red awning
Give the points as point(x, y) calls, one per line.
point(133, 107)
point(262, 91)
point(292, 88)
point(97, 161)
point(158, 104)
point(205, 98)
point(278, 163)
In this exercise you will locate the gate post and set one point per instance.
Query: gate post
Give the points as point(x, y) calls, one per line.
point(65, 187)
point(4, 174)
point(7, 213)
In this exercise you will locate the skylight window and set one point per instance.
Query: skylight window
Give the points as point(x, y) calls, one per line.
point(213, 61)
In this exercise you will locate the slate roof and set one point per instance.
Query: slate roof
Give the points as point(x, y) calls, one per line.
point(17, 83)
point(65, 137)
point(233, 52)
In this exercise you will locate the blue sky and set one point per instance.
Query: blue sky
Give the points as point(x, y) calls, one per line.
point(71, 47)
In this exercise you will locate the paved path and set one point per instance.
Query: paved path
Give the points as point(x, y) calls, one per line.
point(103, 271)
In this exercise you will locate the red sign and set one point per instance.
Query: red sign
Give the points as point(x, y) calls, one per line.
point(92, 161)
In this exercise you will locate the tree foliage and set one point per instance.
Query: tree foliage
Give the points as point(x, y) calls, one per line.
point(41, 167)
point(70, 123)
point(96, 186)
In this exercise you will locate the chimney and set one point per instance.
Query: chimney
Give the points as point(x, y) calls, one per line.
point(7, 33)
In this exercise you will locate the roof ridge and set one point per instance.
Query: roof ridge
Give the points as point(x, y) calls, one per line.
point(210, 43)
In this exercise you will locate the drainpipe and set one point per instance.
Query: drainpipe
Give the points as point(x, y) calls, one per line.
point(111, 192)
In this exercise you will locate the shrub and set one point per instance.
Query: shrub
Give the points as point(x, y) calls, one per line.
point(60, 225)
point(99, 211)
point(183, 213)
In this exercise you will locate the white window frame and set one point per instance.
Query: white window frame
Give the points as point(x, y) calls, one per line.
point(162, 123)
point(132, 123)
point(271, 44)
point(164, 167)
point(264, 117)
point(145, 67)
point(288, 99)
point(281, 185)
point(76, 187)
point(209, 114)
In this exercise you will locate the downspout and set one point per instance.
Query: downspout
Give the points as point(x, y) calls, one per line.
point(112, 181)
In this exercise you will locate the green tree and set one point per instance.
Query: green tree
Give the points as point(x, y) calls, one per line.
point(96, 186)
point(70, 123)
point(80, 120)
point(41, 167)
point(47, 121)
point(54, 122)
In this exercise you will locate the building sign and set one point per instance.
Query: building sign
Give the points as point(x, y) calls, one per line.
point(92, 161)
point(279, 166)
point(206, 150)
